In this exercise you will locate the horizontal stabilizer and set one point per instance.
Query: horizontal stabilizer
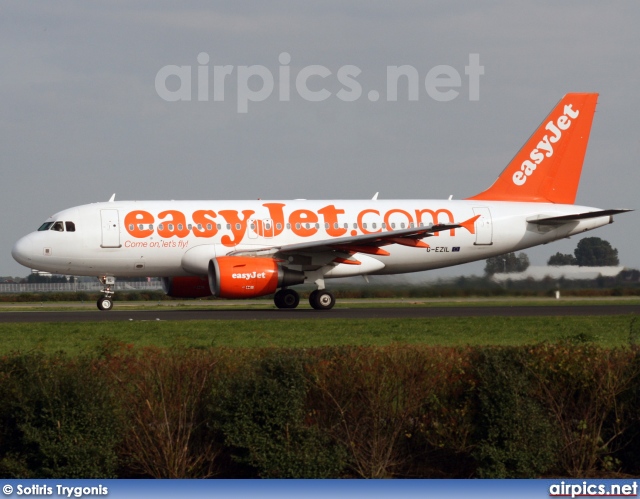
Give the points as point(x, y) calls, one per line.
point(562, 219)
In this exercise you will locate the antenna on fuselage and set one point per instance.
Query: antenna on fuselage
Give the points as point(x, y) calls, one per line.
point(112, 198)
point(375, 196)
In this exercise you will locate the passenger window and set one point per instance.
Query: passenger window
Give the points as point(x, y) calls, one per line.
point(70, 226)
point(58, 226)
point(45, 226)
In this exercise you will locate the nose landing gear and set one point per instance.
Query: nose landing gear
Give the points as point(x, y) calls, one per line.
point(105, 302)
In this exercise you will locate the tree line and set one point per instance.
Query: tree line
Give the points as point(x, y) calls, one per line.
point(590, 252)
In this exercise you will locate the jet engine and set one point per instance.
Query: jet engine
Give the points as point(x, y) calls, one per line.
point(247, 277)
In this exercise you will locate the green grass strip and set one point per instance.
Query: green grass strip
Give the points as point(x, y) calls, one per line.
point(79, 338)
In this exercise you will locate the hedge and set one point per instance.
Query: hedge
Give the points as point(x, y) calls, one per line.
point(566, 409)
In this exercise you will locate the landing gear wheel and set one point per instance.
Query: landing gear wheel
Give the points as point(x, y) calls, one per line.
point(105, 303)
point(286, 298)
point(322, 300)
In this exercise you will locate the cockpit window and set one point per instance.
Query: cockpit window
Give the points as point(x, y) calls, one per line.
point(58, 226)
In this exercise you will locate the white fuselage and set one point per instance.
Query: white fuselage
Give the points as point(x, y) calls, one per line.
point(177, 238)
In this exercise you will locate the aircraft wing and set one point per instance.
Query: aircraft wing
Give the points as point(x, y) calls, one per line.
point(365, 243)
point(563, 219)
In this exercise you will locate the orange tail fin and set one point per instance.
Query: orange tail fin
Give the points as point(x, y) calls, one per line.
point(547, 168)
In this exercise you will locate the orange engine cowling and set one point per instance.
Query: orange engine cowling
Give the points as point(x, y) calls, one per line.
point(186, 287)
point(247, 277)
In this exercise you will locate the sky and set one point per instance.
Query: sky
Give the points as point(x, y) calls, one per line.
point(89, 104)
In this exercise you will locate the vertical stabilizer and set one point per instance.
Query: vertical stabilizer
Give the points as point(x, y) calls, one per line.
point(547, 169)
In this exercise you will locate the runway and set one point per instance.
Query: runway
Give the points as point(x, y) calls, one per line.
point(342, 313)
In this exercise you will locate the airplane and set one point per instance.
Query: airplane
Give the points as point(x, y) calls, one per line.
point(247, 249)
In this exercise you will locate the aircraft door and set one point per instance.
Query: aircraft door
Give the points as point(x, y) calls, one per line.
point(263, 228)
point(267, 226)
point(110, 229)
point(252, 233)
point(484, 227)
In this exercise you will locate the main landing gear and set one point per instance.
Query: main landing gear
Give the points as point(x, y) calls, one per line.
point(286, 298)
point(105, 302)
point(320, 299)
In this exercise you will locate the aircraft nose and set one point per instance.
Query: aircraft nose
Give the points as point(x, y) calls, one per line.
point(22, 251)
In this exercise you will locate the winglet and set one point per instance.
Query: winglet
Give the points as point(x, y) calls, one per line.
point(470, 224)
point(547, 169)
